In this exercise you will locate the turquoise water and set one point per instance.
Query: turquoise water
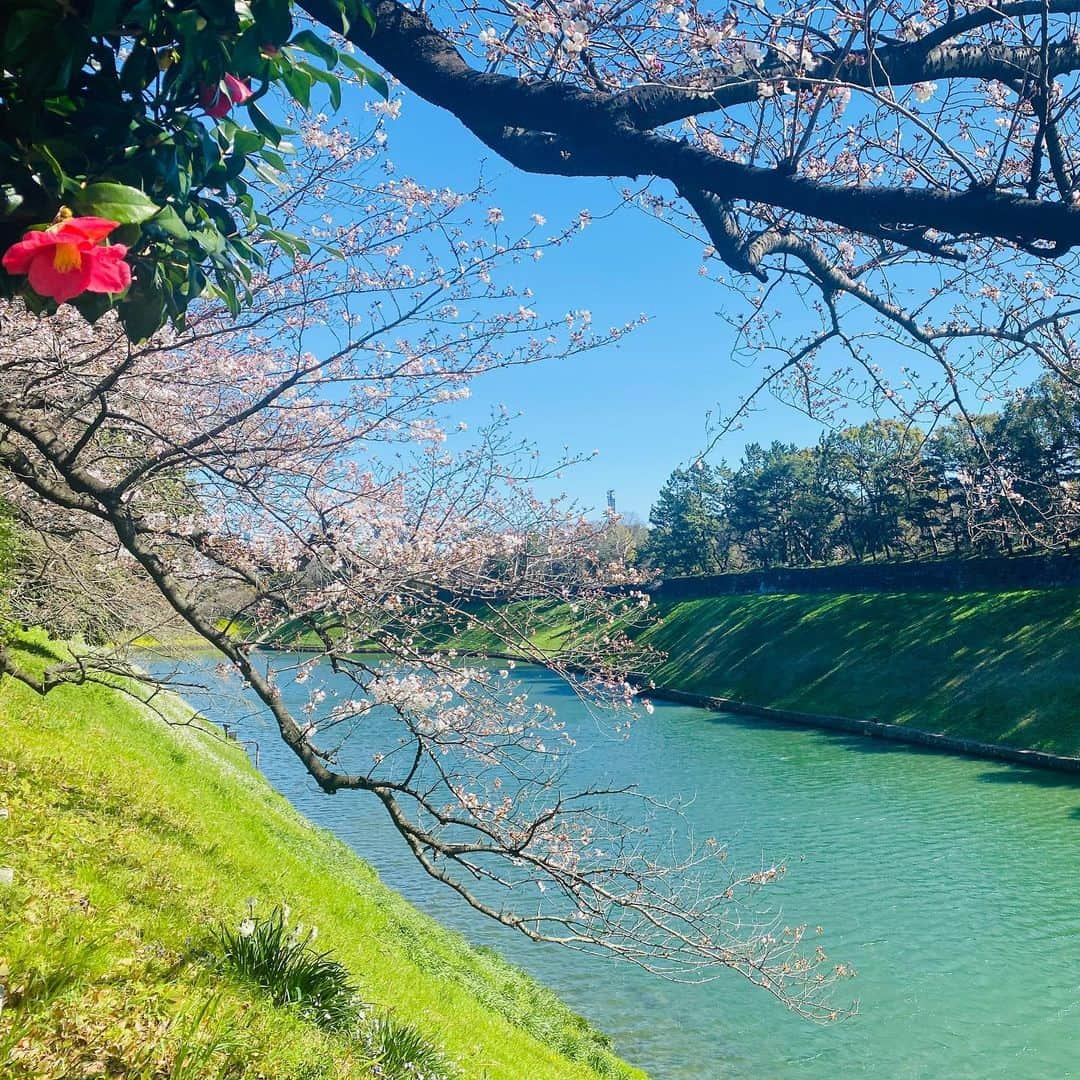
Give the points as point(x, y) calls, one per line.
point(951, 885)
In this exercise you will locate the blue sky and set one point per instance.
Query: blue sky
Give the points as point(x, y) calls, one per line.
point(641, 404)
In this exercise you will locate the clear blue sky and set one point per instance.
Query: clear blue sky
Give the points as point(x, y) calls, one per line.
point(642, 403)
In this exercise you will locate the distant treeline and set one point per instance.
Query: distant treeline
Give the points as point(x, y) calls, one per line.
point(1001, 484)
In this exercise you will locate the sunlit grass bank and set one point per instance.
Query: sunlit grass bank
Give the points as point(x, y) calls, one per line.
point(999, 667)
point(993, 666)
point(132, 843)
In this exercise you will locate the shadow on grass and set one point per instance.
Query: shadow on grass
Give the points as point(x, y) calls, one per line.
point(996, 667)
point(29, 645)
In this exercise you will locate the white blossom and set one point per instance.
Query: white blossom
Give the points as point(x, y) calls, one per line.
point(753, 52)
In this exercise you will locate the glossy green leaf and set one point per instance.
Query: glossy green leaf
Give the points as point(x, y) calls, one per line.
point(314, 45)
point(327, 79)
point(298, 82)
point(362, 71)
point(117, 202)
point(142, 311)
point(263, 124)
point(170, 223)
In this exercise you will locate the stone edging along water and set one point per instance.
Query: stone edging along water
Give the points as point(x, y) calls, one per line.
point(875, 729)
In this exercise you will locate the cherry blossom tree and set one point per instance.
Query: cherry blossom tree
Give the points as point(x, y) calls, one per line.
point(296, 471)
point(903, 175)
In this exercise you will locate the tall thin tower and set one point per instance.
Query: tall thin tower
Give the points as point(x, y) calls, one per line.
point(611, 500)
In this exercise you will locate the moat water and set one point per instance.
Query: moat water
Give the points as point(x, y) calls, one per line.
point(952, 885)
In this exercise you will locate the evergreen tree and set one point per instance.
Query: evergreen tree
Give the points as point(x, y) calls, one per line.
point(689, 534)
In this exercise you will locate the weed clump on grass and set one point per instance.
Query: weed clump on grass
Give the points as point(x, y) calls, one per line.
point(399, 1052)
point(281, 962)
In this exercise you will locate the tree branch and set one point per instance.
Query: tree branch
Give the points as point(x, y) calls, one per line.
point(556, 128)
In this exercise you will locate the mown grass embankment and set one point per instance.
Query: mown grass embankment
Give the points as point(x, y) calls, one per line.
point(132, 842)
point(999, 667)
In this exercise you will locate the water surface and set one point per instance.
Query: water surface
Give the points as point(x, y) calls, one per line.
point(950, 884)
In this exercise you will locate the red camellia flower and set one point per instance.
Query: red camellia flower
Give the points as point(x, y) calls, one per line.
point(217, 102)
point(68, 259)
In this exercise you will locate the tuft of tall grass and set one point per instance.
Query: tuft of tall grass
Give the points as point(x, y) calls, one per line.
point(399, 1052)
point(282, 963)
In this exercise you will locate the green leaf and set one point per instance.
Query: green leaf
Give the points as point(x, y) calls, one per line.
point(288, 242)
point(43, 151)
point(274, 20)
point(39, 305)
point(263, 125)
point(234, 166)
point(362, 71)
point(327, 79)
point(275, 161)
point(128, 235)
point(22, 26)
point(91, 306)
point(210, 240)
point(142, 311)
point(221, 217)
point(170, 223)
point(347, 8)
point(118, 202)
point(196, 280)
point(314, 45)
point(368, 16)
point(343, 29)
point(140, 69)
point(247, 142)
point(265, 172)
point(225, 290)
point(246, 56)
point(298, 82)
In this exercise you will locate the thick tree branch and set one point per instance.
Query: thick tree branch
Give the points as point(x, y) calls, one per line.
point(557, 128)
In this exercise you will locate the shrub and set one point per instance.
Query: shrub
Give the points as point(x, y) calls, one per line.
point(282, 962)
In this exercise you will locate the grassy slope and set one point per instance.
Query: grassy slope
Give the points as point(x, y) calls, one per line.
point(131, 841)
point(996, 666)
point(1000, 667)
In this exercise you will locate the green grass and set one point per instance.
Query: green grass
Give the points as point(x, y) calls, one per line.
point(132, 842)
point(995, 666)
